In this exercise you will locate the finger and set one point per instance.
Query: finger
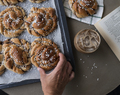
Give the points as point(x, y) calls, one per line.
point(64, 70)
point(62, 59)
point(69, 70)
point(72, 76)
point(42, 72)
point(61, 62)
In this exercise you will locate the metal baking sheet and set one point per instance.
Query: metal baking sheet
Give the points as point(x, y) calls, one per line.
point(66, 46)
point(55, 36)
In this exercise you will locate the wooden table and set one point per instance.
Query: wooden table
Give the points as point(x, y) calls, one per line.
point(96, 73)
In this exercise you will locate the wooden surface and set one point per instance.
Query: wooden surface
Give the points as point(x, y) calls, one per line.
point(96, 73)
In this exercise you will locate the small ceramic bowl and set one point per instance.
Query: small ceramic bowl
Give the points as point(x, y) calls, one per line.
point(87, 41)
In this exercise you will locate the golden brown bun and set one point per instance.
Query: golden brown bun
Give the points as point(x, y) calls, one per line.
point(12, 21)
point(9, 2)
point(83, 8)
point(2, 67)
point(36, 1)
point(44, 53)
point(16, 53)
point(41, 22)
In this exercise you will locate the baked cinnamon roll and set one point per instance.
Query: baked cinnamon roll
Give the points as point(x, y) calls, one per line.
point(9, 2)
point(83, 8)
point(36, 1)
point(44, 53)
point(41, 21)
point(12, 21)
point(16, 53)
point(2, 67)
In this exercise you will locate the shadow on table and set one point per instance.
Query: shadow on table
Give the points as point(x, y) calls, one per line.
point(3, 93)
point(115, 91)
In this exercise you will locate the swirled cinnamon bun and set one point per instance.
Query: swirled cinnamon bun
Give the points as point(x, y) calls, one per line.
point(36, 1)
point(9, 2)
point(44, 53)
point(2, 67)
point(16, 53)
point(83, 8)
point(41, 21)
point(12, 21)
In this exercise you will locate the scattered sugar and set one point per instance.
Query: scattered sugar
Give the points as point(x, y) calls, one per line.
point(80, 59)
point(47, 55)
point(91, 73)
point(98, 79)
point(92, 68)
point(77, 86)
point(94, 65)
point(85, 76)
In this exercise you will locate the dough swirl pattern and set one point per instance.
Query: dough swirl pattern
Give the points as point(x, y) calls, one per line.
point(83, 8)
point(12, 21)
point(36, 1)
point(16, 53)
point(44, 53)
point(41, 22)
point(2, 67)
point(9, 2)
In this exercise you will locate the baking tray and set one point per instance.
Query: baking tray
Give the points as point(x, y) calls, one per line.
point(66, 46)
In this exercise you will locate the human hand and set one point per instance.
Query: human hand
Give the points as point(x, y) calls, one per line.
point(55, 82)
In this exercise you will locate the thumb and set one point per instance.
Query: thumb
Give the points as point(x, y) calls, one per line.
point(42, 72)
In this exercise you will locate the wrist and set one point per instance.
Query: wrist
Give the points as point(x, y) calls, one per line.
point(52, 94)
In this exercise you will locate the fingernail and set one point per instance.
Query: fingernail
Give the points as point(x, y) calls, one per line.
point(38, 69)
point(60, 53)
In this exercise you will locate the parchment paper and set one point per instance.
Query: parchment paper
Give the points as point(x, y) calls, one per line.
point(9, 76)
